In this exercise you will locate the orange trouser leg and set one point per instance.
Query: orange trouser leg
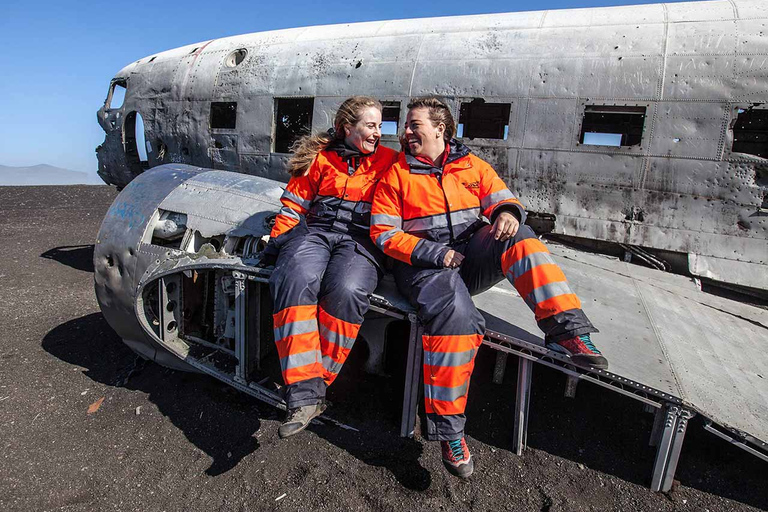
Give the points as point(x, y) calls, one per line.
point(538, 279)
point(298, 343)
point(336, 340)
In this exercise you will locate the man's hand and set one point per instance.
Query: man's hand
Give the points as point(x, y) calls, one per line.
point(505, 227)
point(452, 259)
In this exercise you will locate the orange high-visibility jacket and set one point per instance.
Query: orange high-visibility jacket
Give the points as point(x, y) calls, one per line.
point(334, 193)
point(419, 209)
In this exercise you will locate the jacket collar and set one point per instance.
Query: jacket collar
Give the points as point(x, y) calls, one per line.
point(345, 151)
point(456, 150)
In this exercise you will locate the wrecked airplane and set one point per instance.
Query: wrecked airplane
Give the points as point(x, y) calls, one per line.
point(643, 126)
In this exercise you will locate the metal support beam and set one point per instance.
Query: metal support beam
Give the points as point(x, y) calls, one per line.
point(241, 314)
point(570, 386)
point(412, 380)
point(658, 426)
point(523, 399)
point(500, 367)
point(675, 423)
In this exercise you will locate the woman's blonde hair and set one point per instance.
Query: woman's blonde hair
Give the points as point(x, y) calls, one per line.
point(307, 147)
point(439, 112)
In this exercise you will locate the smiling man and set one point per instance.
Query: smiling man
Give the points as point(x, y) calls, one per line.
point(429, 212)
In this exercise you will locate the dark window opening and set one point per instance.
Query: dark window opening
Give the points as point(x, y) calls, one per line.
point(390, 117)
point(135, 143)
point(116, 95)
point(224, 114)
point(481, 120)
point(616, 126)
point(750, 133)
point(293, 118)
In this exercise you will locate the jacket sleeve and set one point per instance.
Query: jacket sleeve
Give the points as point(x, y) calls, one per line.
point(387, 232)
point(495, 197)
point(296, 200)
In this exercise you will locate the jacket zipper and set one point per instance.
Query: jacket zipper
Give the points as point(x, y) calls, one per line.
point(439, 176)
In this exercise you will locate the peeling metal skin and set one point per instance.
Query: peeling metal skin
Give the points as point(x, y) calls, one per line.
point(235, 208)
point(693, 67)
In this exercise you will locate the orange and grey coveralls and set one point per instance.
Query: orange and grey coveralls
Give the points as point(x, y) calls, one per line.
point(421, 211)
point(326, 268)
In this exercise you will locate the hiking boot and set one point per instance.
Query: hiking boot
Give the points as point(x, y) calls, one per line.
point(581, 351)
point(298, 419)
point(456, 458)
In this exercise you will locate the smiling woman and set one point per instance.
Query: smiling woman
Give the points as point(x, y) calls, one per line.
point(327, 266)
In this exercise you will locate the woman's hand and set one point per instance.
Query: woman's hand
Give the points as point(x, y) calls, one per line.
point(452, 259)
point(505, 227)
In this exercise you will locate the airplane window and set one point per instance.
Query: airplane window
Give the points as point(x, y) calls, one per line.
point(390, 117)
point(118, 95)
point(224, 114)
point(750, 133)
point(610, 125)
point(602, 139)
point(478, 119)
point(293, 118)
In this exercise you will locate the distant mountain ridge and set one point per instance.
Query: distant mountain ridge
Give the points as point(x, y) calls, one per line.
point(44, 174)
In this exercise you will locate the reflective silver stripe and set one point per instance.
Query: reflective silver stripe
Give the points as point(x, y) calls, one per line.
point(465, 216)
point(295, 328)
point(388, 220)
point(524, 265)
point(331, 365)
point(301, 359)
point(290, 213)
point(441, 220)
point(335, 338)
point(304, 203)
point(382, 238)
point(448, 358)
point(494, 198)
point(422, 224)
point(445, 394)
point(550, 290)
point(362, 207)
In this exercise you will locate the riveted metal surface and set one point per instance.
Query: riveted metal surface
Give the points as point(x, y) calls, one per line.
point(693, 65)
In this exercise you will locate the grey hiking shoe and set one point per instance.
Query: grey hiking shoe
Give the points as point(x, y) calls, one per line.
point(298, 419)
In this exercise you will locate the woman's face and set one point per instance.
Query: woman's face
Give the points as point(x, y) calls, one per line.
point(366, 132)
point(422, 138)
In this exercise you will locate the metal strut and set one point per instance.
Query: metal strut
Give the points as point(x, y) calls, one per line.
point(523, 400)
point(675, 422)
point(412, 381)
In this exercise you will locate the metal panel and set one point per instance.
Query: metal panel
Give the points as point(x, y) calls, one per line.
point(699, 11)
point(620, 77)
point(639, 14)
point(698, 77)
point(689, 129)
point(701, 38)
point(550, 124)
point(489, 78)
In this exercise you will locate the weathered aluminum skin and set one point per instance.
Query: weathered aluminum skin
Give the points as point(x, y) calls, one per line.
point(692, 65)
point(233, 205)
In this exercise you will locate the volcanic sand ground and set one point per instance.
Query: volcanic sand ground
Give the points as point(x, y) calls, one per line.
point(167, 440)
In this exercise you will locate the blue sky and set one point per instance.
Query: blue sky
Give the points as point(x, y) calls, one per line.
point(57, 57)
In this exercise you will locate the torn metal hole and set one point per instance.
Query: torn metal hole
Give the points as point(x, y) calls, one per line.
point(235, 58)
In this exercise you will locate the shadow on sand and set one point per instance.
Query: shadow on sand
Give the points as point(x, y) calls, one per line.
point(605, 431)
point(79, 257)
point(91, 343)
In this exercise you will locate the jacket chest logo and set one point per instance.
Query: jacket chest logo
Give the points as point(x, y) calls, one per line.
point(474, 184)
